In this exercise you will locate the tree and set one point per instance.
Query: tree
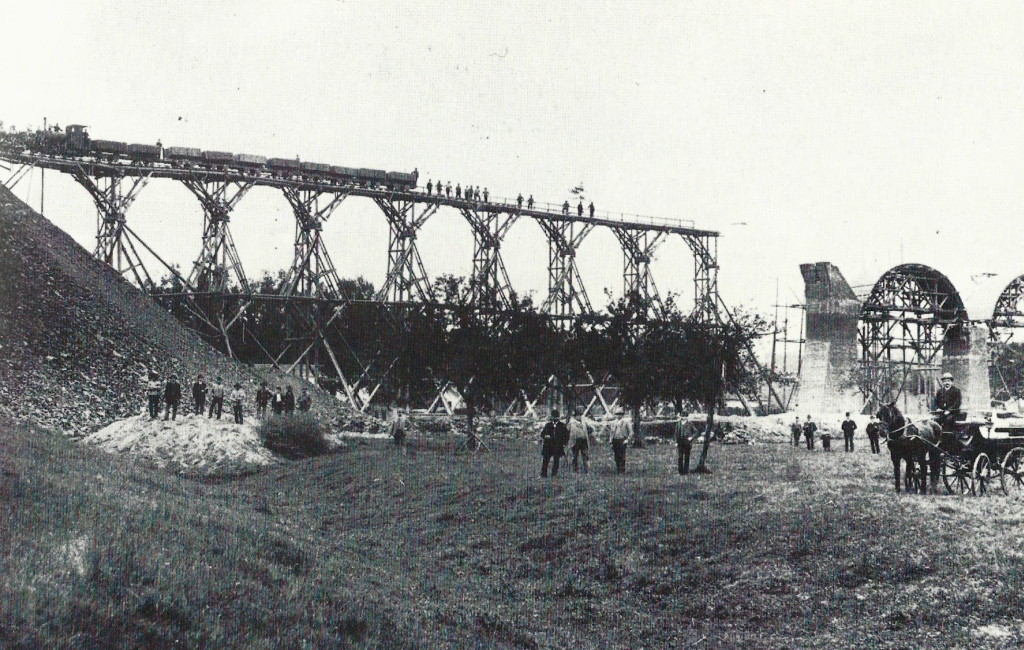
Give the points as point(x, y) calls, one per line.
point(630, 335)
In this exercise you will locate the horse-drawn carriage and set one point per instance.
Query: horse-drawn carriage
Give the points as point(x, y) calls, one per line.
point(984, 450)
point(972, 455)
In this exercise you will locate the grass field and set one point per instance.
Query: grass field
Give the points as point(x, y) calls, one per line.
point(370, 548)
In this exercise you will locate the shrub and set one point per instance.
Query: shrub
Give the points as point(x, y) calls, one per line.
point(294, 436)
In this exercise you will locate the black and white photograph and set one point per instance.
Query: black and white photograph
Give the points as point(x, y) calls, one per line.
point(525, 325)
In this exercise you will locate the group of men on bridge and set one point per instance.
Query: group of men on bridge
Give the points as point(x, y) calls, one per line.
point(474, 194)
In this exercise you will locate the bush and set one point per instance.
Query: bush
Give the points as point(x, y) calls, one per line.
point(294, 436)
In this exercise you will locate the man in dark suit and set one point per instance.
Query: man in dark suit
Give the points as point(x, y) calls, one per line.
point(553, 439)
point(947, 403)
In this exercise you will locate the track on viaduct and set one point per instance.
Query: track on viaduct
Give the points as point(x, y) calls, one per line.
point(216, 292)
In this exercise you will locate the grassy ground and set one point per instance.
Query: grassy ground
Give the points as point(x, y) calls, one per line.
point(369, 548)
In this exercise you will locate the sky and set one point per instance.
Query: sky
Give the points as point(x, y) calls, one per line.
point(866, 134)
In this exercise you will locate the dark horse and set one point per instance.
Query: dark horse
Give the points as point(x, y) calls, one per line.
point(915, 444)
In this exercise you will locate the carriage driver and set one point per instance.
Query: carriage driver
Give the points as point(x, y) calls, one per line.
point(947, 403)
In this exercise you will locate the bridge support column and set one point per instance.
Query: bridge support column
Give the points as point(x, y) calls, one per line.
point(490, 285)
point(114, 246)
point(566, 295)
point(638, 247)
point(220, 302)
point(705, 277)
point(407, 278)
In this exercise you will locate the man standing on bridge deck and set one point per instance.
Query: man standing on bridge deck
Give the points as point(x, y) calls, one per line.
point(519, 200)
point(458, 191)
point(447, 189)
point(848, 426)
point(430, 187)
point(476, 194)
point(485, 195)
point(199, 395)
point(579, 209)
point(591, 209)
point(565, 208)
point(529, 203)
point(172, 397)
point(947, 403)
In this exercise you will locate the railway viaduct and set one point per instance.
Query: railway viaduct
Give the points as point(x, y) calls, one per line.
point(216, 290)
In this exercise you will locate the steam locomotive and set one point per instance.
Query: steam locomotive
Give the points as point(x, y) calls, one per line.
point(74, 142)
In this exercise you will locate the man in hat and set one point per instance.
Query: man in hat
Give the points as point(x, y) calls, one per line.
point(153, 392)
point(262, 399)
point(796, 430)
point(216, 398)
point(172, 397)
point(619, 432)
point(947, 402)
point(848, 427)
point(580, 431)
point(289, 401)
point(552, 444)
point(873, 430)
point(237, 399)
point(199, 391)
point(686, 431)
point(809, 428)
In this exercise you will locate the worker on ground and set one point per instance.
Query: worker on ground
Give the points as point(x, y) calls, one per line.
point(172, 397)
point(619, 432)
point(591, 209)
point(199, 390)
point(873, 430)
point(947, 402)
point(262, 399)
point(848, 426)
point(153, 392)
point(237, 398)
point(277, 402)
point(809, 428)
point(458, 191)
point(519, 200)
point(686, 431)
point(565, 208)
point(216, 398)
point(289, 401)
point(826, 440)
point(305, 401)
point(430, 187)
point(580, 432)
point(579, 209)
point(552, 445)
point(797, 430)
point(485, 195)
point(529, 203)
point(399, 426)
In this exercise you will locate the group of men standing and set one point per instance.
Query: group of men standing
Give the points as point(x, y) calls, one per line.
point(169, 393)
point(579, 435)
point(809, 428)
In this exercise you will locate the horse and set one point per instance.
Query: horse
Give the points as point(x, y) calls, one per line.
point(915, 443)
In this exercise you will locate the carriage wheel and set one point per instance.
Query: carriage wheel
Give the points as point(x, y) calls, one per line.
point(981, 476)
point(956, 474)
point(1012, 479)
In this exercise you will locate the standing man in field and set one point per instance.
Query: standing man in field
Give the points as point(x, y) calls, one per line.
point(305, 401)
point(199, 395)
point(873, 430)
point(797, 430)
point(172, 397)
point(216, 397)
point(289, 401)
point(552, 444)
point(809, 428)
point(580, 431)
point(277, 402)
point(686, 431)
point(619, 433)
point(848, 426)
point(399, 426)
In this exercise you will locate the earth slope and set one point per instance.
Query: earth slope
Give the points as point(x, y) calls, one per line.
point(77, 340)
